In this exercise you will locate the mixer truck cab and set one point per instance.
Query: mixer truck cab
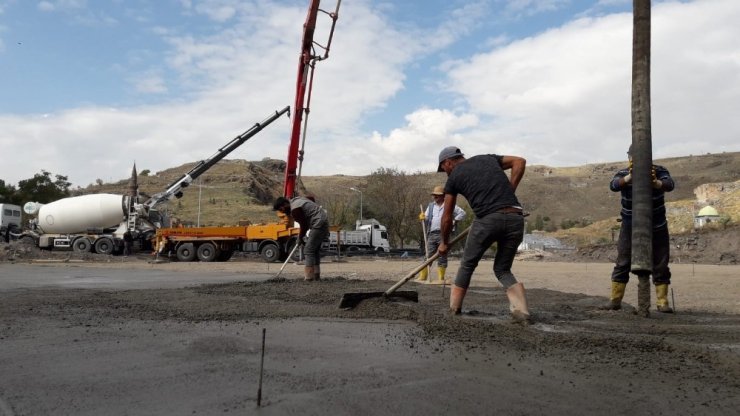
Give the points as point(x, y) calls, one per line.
point(10, 220)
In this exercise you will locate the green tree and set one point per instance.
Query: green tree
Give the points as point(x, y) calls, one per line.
point(393, 197)
point(8, 193)
point(43, 188)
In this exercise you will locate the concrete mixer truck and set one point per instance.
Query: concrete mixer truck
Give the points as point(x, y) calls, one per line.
point(98, 222)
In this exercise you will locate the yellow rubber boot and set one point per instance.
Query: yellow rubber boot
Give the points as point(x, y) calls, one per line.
point(423, 274)
point(456, 299)
point(661, 292)
point(615, 301)
point(441, 273)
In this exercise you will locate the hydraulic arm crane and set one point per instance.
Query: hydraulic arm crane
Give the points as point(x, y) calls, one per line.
point(304, 85)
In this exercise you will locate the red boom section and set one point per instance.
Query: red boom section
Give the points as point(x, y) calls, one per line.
point(303, 89)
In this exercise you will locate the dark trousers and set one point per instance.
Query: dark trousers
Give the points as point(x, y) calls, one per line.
point(312, 250)
point(661, 255)
point(507, 231)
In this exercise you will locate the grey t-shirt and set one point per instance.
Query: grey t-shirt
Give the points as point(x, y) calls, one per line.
point(317, 216)
point(482, 181)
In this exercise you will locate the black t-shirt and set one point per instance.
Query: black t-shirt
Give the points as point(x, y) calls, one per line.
point(482, 181)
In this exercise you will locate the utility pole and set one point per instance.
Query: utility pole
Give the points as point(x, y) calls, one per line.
point(357, 190)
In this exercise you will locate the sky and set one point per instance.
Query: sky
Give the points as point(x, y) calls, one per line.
point(90, 87)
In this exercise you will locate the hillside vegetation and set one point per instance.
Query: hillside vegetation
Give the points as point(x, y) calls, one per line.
point(235, 190)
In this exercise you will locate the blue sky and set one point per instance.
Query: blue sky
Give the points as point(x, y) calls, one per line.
point(90, 87)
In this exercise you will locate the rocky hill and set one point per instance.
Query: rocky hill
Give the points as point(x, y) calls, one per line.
point(565, 197)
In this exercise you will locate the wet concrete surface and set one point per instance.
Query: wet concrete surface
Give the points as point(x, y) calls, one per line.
point(25, 275)
point(172, 349)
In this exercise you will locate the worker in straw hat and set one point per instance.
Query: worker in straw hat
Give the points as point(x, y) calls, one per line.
point(432, 218)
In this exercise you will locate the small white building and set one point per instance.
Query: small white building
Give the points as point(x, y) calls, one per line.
point(705, 216)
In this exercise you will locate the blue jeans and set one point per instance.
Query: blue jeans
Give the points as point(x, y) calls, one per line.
point(505, 229)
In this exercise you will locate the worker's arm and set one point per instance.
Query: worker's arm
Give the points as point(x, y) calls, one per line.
point(517, 165)
point(446, 223)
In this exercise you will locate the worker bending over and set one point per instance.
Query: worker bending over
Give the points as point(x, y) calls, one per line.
point(498, 219)
point(310, 216)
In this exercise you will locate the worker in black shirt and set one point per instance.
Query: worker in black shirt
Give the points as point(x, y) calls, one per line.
point(498, 219)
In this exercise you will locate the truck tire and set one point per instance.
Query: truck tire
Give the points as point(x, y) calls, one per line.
point(104, 245)
point(186, 252)
point(270, 252)
point(81, 245)
point(225, 255)
point(207, 252)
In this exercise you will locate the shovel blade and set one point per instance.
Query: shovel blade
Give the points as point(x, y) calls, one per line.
point(350, 300)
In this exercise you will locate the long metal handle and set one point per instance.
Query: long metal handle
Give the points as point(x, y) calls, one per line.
point(288, 259)
point(426, 263)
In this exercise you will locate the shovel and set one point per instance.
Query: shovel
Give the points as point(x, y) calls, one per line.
point(290, 256)
point(350, 300)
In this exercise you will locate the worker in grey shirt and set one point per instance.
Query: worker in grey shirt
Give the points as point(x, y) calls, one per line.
point(310, 216)
point(498, 219)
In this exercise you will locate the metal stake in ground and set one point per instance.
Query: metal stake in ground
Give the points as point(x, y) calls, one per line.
point(262, 362)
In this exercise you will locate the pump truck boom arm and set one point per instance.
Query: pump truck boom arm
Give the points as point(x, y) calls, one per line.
point(304, 83)
point(174, 190)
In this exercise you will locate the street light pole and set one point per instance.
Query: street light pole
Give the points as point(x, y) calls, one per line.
point(360, 192)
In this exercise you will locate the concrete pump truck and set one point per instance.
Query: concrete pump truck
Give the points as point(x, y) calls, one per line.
point(273, 241)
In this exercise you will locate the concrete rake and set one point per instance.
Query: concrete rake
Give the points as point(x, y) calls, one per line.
point(350, 300)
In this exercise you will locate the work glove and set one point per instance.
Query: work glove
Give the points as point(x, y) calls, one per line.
point(628, 178)
point(657, 184)
point(422, 217)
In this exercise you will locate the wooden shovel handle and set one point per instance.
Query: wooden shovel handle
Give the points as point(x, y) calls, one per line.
point(426, 263)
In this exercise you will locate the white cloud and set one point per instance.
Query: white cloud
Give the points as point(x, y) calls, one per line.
point(563, 97)
point(46, 6)
point(149, 83)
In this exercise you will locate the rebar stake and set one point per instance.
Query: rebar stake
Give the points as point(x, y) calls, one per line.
point(262, 362)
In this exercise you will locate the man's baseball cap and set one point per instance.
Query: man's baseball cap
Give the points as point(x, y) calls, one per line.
point(448, 153)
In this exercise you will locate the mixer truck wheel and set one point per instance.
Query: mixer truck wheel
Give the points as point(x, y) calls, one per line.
point(270, 252)
point(186, 252)
point(81, 245)
point(104, 246)
point(207, 252)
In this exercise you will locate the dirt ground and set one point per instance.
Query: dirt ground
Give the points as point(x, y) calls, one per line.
point(197, 349)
